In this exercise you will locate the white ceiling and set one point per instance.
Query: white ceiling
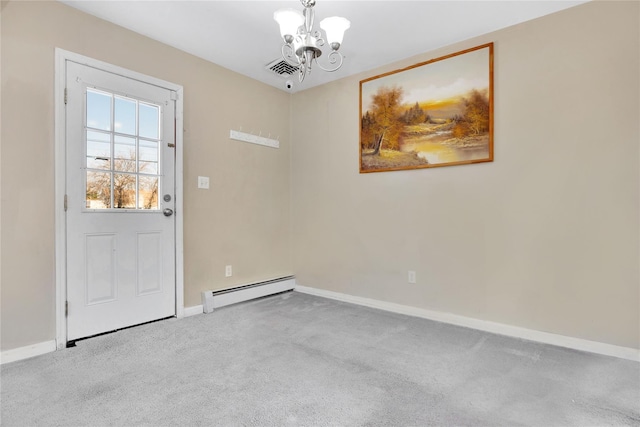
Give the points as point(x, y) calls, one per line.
point(242, 35)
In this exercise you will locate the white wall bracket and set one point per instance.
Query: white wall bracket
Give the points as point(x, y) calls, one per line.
point(254, 139)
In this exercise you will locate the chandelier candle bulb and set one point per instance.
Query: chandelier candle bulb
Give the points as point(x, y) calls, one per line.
point(335, 28)
point(289, 20)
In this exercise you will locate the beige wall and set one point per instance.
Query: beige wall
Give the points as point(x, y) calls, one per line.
point(545, 237)
point(243, 220)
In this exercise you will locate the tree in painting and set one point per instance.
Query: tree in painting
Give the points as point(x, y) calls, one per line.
point(476, 116)
point(386, 128)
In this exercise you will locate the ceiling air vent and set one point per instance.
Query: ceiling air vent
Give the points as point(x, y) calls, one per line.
point(281, 68)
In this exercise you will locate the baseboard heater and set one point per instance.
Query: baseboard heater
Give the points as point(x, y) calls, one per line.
point(216, 299)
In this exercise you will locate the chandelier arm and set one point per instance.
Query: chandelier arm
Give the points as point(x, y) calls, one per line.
point(334, 57)
point(289, 55)
point(318, 36)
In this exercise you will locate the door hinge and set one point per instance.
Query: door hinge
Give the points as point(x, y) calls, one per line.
point(66, 309)
point(65, 96)
point(65, 202)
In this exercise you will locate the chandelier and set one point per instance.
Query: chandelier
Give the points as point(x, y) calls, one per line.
point(302, 43)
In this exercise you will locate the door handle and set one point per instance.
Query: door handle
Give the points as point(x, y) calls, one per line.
point(167, 212)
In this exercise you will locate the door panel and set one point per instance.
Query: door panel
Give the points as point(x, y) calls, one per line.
point(120, 164)
point(100, 266)
point(149, 258)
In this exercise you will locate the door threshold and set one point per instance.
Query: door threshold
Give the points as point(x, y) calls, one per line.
point(72, 343)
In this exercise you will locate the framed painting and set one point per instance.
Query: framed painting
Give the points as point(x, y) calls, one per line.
point(432, 114)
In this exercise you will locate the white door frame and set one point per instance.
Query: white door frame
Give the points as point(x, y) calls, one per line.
point(61, 56)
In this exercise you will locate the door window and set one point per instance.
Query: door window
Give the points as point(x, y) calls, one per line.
point(122, 150)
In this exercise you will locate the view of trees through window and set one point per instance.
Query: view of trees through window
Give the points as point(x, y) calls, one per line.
point(122, 152)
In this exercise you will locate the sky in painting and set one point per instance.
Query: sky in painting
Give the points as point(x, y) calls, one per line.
point(437, 81)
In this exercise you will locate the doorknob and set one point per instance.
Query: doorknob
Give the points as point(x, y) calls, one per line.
point(167, 212)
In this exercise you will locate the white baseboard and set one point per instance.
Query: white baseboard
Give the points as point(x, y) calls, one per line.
point(26, 352)
point(193, 311)
point(483, 325)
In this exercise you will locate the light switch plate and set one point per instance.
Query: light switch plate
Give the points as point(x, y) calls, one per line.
point(203, 182)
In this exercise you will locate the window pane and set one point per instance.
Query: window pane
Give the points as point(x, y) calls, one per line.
point(149, 167)
point(149, 121)
point(124, 191)
point(98, 150)
point(122, 152)
point(149, 150)
point(124, 158)
point(98, 163)
point(148, 193)
point(98, 190)
point(125, 116)
point(98, 110)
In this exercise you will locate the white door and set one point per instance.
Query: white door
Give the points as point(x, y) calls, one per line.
point(120, 135)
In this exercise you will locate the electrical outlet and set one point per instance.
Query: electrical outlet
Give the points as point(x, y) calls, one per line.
point(228, 271)
point(412, 276)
